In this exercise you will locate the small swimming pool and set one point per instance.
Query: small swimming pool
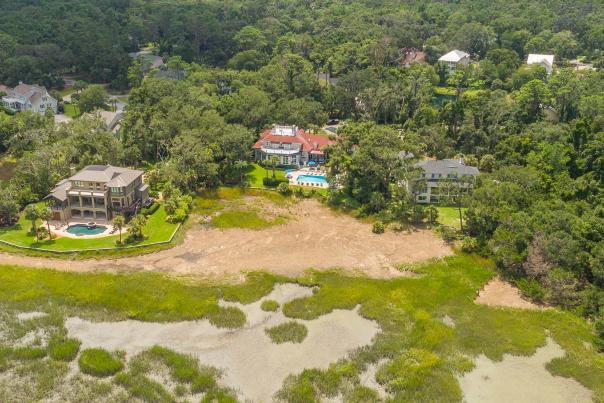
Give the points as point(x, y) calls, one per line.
point(317, 180)
point(83, 229)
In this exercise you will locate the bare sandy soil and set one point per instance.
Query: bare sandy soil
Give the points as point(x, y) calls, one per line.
point(500, 293)
point(522, 379)
point(252, 364)
point(314, 237)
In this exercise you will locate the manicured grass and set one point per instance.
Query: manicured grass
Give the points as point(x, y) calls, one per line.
point(157, 229)
point(292, 332)
point(256, 174)
point(243, 219)
point(269, 305)
point(449, 216)
point(99, 362)
point(71, 110)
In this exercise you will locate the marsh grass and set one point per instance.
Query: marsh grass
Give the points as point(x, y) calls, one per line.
point(422, 356)
point(269, 305)
point(99, 362)
point(63, 349)
point(293, 332)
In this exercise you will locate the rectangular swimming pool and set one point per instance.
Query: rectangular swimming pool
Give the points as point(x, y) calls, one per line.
point(312, 179)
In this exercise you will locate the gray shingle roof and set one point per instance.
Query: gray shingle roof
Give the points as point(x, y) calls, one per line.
point(446, 166)
point(112, 176)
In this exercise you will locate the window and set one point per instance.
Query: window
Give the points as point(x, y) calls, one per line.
point(116, 190)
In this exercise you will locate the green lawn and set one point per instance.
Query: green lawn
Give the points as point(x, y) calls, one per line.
point(71, 111)
point(240, 218)
point(449, 216)
point(257, 173)
point(156, 230)
point(424, 355)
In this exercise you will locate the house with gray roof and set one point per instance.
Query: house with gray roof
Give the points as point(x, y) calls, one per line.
point(436, 175)
point(97, 193)
point(25, 97)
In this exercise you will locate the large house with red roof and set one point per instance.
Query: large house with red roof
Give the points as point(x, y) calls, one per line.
point(291, 145)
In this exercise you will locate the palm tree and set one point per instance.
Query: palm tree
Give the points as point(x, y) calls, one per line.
point(136, 226)
point(32, 214)
point(45, 214)
point(274, 160)
point(241, 165)
point(118, 224)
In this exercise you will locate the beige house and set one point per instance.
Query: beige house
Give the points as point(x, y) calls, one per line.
point(98, 193)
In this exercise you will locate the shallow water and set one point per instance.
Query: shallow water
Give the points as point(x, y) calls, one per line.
point(251, 362)
point(521, 379)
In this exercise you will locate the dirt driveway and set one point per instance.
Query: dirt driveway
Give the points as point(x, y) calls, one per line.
point(315, 237)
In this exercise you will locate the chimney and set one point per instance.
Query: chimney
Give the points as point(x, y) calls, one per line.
point(72, 170)
point(20, 82)
point(461, 160)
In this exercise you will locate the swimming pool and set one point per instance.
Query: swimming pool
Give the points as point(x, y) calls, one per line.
point(317, 180)
point(83, 229)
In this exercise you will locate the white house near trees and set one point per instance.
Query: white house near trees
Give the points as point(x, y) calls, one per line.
point(547, 61)
point(437, 174)
point(25, 97)
point(455, 58)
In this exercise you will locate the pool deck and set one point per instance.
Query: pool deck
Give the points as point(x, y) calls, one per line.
point(293, 177)
point(60, 230)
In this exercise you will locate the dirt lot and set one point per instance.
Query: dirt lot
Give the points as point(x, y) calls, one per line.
point(314, 237)
point(500, 293)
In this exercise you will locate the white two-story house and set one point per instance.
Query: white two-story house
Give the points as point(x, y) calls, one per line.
point(25, 97)
point(436, 175)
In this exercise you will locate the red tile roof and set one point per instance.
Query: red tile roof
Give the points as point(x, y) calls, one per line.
point(310, 142)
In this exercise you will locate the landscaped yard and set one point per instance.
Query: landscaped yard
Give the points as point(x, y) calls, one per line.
point(419, 355)
point(256, 174)
point(71, 110)
point(156, 230)
point(449, 216)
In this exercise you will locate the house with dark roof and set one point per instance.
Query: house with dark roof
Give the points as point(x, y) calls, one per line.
point(98, 193)
point(25, 97)
point(436, 175)
point(291, 146)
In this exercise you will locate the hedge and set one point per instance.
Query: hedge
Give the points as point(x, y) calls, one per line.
point(273, 182)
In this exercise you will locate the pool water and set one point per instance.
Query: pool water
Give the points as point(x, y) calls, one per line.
point(82, 229)
point(312, 179)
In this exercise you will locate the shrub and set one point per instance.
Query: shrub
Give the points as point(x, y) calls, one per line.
point(599, 326)
point(272, 182)
point(293, 332)
point(469, 244)
point(151, 209)
point(99, 362)
point(531, 289)
point(283, 188)
point(447, 233)
point(179, 216)
point(378, 227)
point(61, 349)
point(269, 305)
